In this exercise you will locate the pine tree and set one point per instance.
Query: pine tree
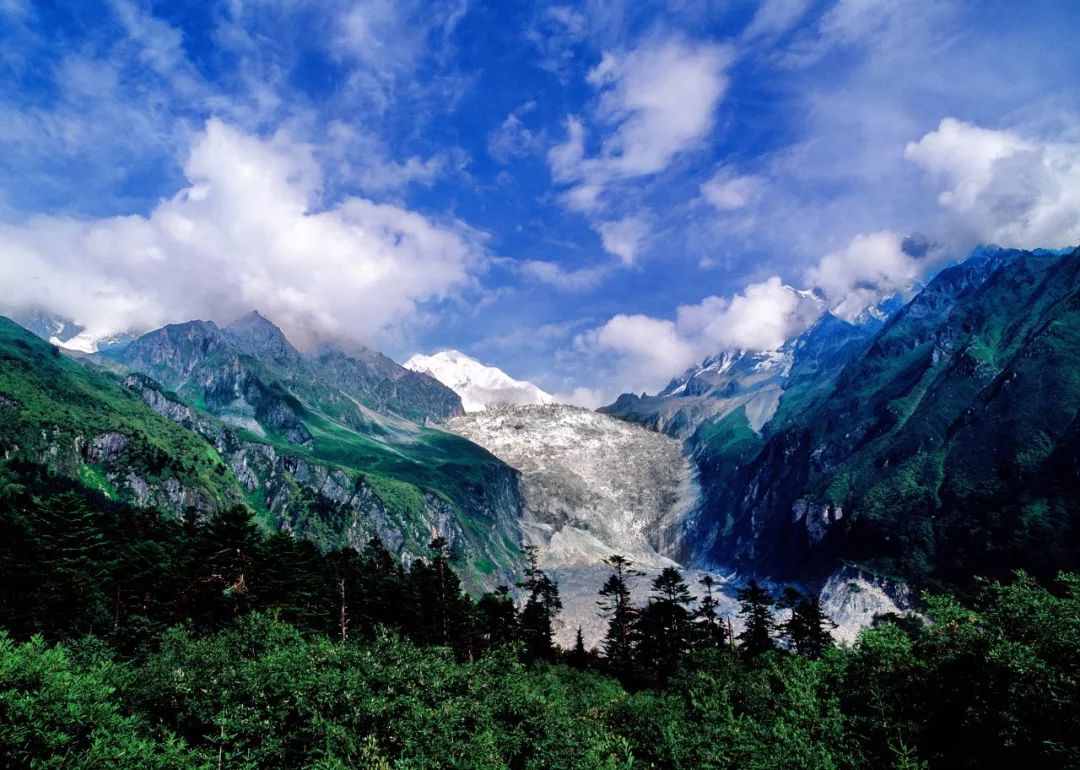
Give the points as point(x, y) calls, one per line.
point(755, 608)
point(808, 628)
point(664, 625)
point(232, 542)
point(497, 617)
point(439, 593)
point(710, 629)
point(616, 604)
point(384, 598)
point(579, 657)
point(538, 616)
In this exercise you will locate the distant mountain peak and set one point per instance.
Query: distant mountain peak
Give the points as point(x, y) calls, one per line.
point(480, 386)
point(260, 337)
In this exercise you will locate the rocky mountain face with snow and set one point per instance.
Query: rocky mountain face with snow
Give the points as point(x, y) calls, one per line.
point(935, 443)
point(480, 386)
point(591, 486)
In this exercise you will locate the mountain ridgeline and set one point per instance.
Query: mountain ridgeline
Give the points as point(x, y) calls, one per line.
point(334, 448)
point(937, 444)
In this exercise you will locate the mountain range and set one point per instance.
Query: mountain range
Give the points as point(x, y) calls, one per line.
point(332, 447)
point(922, 443)
point(937, 444)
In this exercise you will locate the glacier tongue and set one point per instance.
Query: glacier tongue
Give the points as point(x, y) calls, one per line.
point(592, 486)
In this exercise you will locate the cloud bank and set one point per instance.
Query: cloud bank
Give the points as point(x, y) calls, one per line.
point(246, 232)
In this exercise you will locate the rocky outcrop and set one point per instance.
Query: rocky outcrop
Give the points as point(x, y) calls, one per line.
point(106, 447)
point(591, 486)
point(852, 599)
point(332, 508)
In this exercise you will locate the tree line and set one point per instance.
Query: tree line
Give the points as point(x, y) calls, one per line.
point(73, 565)
point(130, 639)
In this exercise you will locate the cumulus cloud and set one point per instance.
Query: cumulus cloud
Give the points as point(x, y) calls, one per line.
point(764, 315)
point(648, 351)
point(656, 101)
point(1003, 187)
point(868, 269)
point(247, 231)
point(761, 317)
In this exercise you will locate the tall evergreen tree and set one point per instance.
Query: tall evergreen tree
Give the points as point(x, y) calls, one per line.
point(231, 542)
point(616, 604)
point(664, 625)
point(439, 593)
point(539, 615)
point(710, 629)
point(755, 609)
point(497, 617)
point(579, 656)
point(808, 628)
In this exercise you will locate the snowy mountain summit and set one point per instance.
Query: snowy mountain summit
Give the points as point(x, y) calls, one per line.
point(480, 386)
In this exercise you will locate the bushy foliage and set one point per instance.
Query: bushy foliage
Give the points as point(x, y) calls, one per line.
point(134, 640)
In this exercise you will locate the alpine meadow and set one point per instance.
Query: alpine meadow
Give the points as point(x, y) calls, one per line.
point(737, 418)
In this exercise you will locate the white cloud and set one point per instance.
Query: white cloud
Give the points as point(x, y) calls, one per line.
point(246, 232)
point(624, 237)
point(589, 398)
point(649, 351)
point(762, 316)
point(513, 139)
point(774, 18)
point(1005, 188)
point(567, 280)
point(727, 190)
point(655, 101)
point(867, 270)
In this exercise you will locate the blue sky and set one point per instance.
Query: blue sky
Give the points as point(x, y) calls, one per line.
point(591, 196)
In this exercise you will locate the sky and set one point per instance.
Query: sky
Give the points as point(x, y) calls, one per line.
point(590, 196)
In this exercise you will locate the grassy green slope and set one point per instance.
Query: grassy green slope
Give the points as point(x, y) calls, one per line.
point(945, 443)
point(51, 406)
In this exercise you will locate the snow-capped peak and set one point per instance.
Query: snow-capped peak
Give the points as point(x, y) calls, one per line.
point(479, 386)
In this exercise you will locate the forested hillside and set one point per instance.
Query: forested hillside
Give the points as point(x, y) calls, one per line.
point(131, 640)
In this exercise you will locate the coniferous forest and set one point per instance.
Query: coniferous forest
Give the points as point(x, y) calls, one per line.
point(135, 640)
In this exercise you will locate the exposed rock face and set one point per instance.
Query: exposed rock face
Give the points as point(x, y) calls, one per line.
point(107, 447)
point(324, 504)
point(852, 599)
point(592, 486)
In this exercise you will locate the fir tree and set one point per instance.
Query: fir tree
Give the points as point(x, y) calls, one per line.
point(497, 617)
point(808, 628)
point(579, 657)
point(538, 617)
point(710, 629)
point(755, 608)
point(665, 624)
point(616, 604)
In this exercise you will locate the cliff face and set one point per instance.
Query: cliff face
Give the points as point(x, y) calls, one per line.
point(334, 507)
